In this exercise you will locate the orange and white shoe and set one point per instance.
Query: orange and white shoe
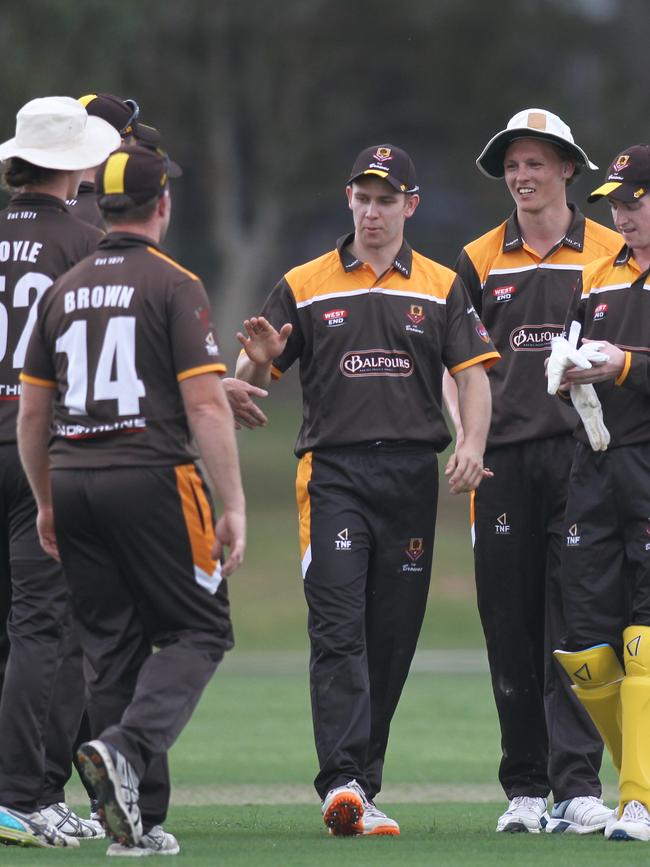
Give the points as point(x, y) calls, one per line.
point(343, 810)
point(374, 821)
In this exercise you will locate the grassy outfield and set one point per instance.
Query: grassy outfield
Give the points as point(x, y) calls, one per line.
point(242, 775)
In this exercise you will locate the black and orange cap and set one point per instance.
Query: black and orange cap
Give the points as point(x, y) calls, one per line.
point(389, 163)
point(628, 177)
point(137, 172)
point(123, 114)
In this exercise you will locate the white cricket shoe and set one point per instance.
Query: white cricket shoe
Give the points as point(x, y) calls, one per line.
point(374, 821)
point(155, 842)
point(343, 809)
point(113, 780)
point(582, 815)
point(31, 829)
point(634, 823)
point(69, 823)
point(524, 814)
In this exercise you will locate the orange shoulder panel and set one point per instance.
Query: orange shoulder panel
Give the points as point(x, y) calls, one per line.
point(169, 261)
point(318, 277)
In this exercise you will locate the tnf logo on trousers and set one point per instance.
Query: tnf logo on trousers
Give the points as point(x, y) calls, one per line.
point(574, 536)
point(342, 542)
point(502, 527)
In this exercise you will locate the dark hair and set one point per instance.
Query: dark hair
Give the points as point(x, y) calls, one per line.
point(569, 156)
point(122, 209)
point(19, 173)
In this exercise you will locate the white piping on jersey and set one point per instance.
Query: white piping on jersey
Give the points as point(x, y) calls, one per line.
point(306, 562)
point(375, 290)
point(209, 582)
point(523, 268)
point(613, 287)
point(546, 265)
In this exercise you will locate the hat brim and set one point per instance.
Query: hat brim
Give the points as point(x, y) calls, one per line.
point(490, 161)
point(146, 135)
point(385, 176)
point(95, 145)
point(625, 192)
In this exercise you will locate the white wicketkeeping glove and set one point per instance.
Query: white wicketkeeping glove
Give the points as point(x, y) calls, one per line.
point(563, 356)
point(591, 351)
point(586, 402)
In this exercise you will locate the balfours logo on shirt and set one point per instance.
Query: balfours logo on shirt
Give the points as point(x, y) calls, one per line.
point(534, 338)
point(334, 318)
point(376, 362)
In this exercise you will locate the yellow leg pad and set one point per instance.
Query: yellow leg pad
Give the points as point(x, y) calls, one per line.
point(635, 705)
point(596, 675)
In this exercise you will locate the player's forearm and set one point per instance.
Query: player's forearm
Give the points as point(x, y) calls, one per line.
point(255, 374)
point(34, 416)
point(450, 397)
point(475, 406)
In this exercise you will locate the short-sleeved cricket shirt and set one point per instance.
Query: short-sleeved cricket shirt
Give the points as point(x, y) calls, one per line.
point(612, 302)
point(372, 349)
point(115, 336)
point(522, 300)
point(39, 241)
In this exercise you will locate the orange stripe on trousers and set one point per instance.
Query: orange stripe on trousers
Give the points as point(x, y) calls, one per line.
point(303, 478)
point(198, 516)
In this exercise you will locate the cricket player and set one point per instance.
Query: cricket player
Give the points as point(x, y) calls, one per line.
point(606, 568)
point(371, 324)
point(520, 277)
point(125, 358)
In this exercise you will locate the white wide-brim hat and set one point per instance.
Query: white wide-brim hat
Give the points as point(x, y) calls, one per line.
point(56, 132)
point(529, 123)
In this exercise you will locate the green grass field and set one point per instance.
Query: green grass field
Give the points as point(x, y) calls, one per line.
point(242, 769)
point(242, 775)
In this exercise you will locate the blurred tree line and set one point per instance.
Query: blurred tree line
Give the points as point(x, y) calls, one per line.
point(265, 104)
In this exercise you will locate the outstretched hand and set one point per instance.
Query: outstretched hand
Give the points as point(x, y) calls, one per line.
point(262, 342)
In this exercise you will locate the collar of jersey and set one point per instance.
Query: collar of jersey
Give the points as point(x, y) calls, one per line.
point(574, 238)
point(22, 200)
point(403, 262)
point(126, 239)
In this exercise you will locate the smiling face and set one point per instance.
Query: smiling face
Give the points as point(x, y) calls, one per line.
point(536, 174)
point(379, 212)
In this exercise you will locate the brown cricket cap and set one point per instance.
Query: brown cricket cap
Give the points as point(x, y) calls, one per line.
point(137, 172)
point(628, 177)
point(389, 163)
point(123, 114)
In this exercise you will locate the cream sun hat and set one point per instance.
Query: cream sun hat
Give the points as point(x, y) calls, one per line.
point(56, 132)
point(529, 123)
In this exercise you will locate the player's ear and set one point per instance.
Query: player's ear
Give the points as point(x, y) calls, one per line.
point(412, 201)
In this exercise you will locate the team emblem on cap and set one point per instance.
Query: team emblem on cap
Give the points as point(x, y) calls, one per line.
point(382, 154)
point(621, 162)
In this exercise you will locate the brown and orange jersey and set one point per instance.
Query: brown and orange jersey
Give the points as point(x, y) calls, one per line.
point(39, 241)
point(612, 302)
point(115, 336)
point(371, 350)
point(522, 299)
